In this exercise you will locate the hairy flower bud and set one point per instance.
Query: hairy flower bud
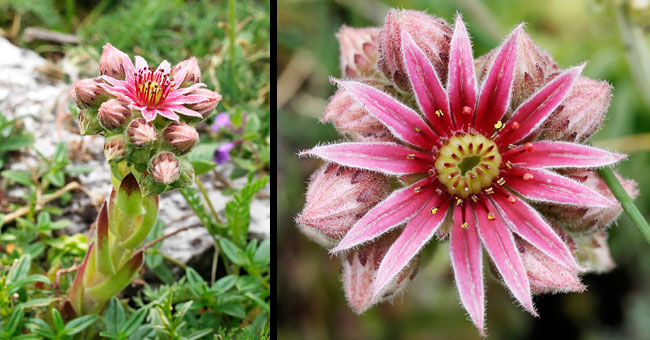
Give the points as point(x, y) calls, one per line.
point(87, 93)
point(115, 148)
point(593, 252)
point(164, 168)
point(192, 72)
point(141, 133)
point(337, 196)
point(181, 137)
point(430, 33)
point(545, 274)
point(360, 269)
point(581, 113)
point(88, 123)
point(349, 117)
point(359, 51)
point(588, 219)
point(113, 113)
point(207, 105)
point(111, 62)
point(534, 68)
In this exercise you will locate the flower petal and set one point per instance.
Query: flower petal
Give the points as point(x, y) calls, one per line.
point(532, 113)
point(547, 186)
point(500, 244)
point(461, 83)
point(397, 208)
point(163, 67)
point(419, 230)
point(148, 114)
point(430, 94)
point(129, 71)
point(496, 89)
point(400, 120)
point(183, 110)
point(466, 256)
point(561, 155)
point(140, 63)
point(529, 224)
point(169, 114)
point(389, 158)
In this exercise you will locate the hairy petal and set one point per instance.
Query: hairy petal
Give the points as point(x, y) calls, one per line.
point(466, 255)
point(461, 83)
point(561, 155)
point(547, 186)
point(389, 158)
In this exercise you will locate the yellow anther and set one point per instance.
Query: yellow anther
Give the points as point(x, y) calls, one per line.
point(459, 201)
point(501, 181)
point(498, 125)
point(439, 113)
point(489, 191)
point(417, 129)
point(417, 189)
point(410, 156)
point(509, 165)
point(434, 210)
point(474, 198)
point(464, 225)
point(490, 217)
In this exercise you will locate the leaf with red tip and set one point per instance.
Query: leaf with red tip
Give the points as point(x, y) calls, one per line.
point(389, 158)
point(547, 186)
point(500, 244)
point(397, 208)
point(532, 113)
point(561, 155)
point(112, 285)
point(400, 120)
point(419, 230)
point(466, 254)
point(76, 292)
point(103, 256)
point(529, 224)
point(495, 92)
point(429, 92)
point(461, 83)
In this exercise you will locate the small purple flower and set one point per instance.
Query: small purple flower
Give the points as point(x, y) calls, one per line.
point(222, 154)
point(221, 121)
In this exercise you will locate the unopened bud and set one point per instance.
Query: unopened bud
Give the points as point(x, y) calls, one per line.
point(87, 93)
point(534, 68)
point(114, 113)
point(593, 252)
point(164, 168)
point(545, 274)
point(189, 69)
point(88, 123)
point(430, 33)
point(359, 51)
point(181, 137)
point(111, 62)
point(581, 113)
point(338, 196)
point(351, 118)
point(207, 105)
point(360, 269)
point(588, 219)
point(141, 133)
point(115, 148)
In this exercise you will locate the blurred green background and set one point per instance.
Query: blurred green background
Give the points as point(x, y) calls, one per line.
point(611, 35)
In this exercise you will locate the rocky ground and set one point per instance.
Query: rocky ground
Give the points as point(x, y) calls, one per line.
point(30, 87)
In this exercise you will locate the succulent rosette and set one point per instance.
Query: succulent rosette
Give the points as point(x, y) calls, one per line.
point(487, 152)
point(145, 115)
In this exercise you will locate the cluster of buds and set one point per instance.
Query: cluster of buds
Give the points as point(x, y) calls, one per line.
point(146, 117)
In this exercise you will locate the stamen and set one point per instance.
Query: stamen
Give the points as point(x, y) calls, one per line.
point(509, 165)
point(417, 189)
point(439, 113)
point(528, 176)
point(489, 191)
point(459, 201)
point(474, 198)
point(467, 110)
point(498, 125)
point(410, 156)
point(417, 129)
point(512, 199)
point(464, 225)
point(501, 181)
point(434, 210)
point(490, 217)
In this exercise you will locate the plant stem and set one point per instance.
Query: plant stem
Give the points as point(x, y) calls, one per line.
point(207, 199)
point(615, 186)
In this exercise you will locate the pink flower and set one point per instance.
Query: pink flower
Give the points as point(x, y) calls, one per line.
point(154, 92)
point(470, 159)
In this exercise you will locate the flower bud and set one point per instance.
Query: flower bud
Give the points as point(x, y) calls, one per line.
point(88, 123)
point(338, 196)
point(115, 148)
point(360, 269)
point(430, 33)
point(349, 117)
point(111, 62)
point(545, 274)
point(191, 72)
point(588, 219)
point(593, 252)
point(181, 137)
point(207, 105)
point(114, 113)
point(87, 93)
point(534, 68)
point(581, 113)
point(164, 168)
point(359, 51)
point(141, 133)
point(186, 177)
